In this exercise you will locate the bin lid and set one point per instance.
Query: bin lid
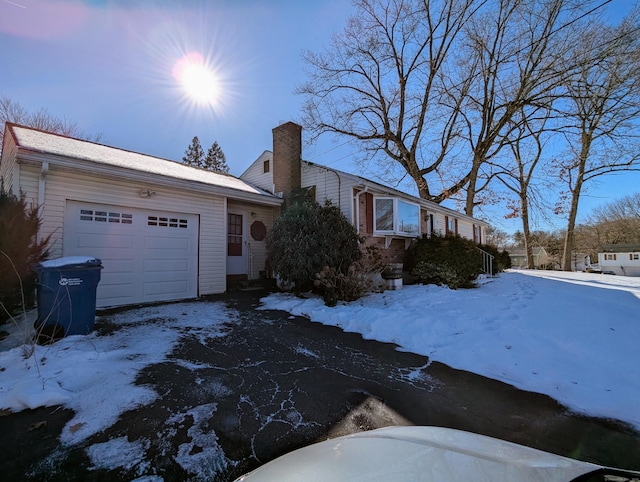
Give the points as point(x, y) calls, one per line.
point(66, 261)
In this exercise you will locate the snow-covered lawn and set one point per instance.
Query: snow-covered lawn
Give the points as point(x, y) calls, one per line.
point(573, 336)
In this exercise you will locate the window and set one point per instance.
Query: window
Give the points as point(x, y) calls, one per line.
point(234, 235)
point(266, 166)
point(477, 234)
point(451, 225)
point(105, 216)
point(633, 256)
point(610, 257)
point(163, 222)
point(394, 216)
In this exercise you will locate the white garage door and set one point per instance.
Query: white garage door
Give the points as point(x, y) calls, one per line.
point(147, 255)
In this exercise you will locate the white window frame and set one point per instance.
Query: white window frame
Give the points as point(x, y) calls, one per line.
point(396, 230)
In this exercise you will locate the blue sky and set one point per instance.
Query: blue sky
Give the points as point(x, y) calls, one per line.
point(109, 66)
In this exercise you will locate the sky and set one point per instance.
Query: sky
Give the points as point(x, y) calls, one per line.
point(117, 68)
point(572, 336)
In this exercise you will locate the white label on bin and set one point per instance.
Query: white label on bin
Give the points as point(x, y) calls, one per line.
point(70, 281)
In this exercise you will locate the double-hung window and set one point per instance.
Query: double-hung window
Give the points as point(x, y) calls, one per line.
point(393, 216)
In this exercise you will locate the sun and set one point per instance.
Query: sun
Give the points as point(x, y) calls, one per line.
point(198, 79)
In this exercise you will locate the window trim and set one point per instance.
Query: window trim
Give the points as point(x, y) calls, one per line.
point(395, 231)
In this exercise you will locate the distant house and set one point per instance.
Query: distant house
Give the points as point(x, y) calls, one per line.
point(621, 259)
point(163, 230)
point(384, 216)
point(519, 257)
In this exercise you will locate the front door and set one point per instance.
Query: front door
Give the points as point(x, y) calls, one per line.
point(236, 252)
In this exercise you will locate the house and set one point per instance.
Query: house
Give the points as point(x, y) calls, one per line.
point(519, 257)
point(620, 259)
point(384, 216)
point(163, 230)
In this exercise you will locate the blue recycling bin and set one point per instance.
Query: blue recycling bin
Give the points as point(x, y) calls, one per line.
point(66, 295)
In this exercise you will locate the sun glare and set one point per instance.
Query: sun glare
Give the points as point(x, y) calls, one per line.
point(198, 79)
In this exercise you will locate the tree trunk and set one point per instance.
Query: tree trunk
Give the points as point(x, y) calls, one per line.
point(527, 232)
point(569, 239)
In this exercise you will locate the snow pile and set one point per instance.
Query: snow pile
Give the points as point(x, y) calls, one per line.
point(572, 336)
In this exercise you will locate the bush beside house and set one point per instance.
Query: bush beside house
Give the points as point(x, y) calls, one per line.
point(19, 251)
point(452, 261)
point(308, 239)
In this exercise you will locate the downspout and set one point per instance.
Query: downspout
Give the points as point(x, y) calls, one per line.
point(42, 183)
point(357, 207)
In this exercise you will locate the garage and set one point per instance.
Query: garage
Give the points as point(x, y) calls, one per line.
point(159, 226)
point(147, 255)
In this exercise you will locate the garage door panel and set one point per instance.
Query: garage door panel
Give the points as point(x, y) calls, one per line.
point(147, 256)
point(119, 266)
point(170, 266)
point(107, 240)
point(164, 288)
point(169, 242)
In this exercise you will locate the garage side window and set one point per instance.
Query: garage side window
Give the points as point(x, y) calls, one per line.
point(234, 235)
point(105, 216)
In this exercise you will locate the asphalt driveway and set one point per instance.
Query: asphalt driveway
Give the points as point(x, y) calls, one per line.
point(274, 383)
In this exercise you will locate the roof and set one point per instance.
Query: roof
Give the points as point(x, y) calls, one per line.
point(38, 141)
point(620, 248)
point(395, 192)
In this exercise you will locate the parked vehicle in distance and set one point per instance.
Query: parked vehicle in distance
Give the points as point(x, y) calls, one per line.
point(429, 454)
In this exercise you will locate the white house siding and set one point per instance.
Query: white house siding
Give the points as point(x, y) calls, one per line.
point(623, 264)
point(66, 185)
point(465, 229)
point(255, 174)
point(329, 186)
point(8, 166)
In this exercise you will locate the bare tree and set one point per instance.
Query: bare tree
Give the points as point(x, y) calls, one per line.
point(429, 88)
point(378, 84)
point(12, 111)
point(613, 223)
point(515, 58)
point(600, 112)
point(526, 143)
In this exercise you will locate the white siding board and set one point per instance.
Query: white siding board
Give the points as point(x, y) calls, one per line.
point(330, 185)
point(8, 166)
point(255, 174)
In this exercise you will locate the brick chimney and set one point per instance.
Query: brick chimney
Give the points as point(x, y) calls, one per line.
point(287, 154)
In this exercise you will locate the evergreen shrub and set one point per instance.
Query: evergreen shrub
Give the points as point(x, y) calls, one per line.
point(305, 238)
point(19, 252)
point(452, 261)
point(359, 279)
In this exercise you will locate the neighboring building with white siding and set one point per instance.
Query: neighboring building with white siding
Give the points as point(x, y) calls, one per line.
point(385, 216)
point(163, 230)
point(621, 259)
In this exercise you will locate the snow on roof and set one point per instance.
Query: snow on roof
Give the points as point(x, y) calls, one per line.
point(55, 144)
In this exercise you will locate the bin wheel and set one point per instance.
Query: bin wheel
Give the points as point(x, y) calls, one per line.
point(48, 334)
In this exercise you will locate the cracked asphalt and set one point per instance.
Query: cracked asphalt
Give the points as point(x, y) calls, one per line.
point(275, 383)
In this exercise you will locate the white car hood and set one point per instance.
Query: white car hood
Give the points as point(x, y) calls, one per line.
point(419, 453)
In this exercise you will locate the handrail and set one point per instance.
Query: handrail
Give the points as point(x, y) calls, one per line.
point(487, 261)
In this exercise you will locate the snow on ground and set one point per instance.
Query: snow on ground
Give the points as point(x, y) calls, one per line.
point(94, 375)
point(572, 336)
